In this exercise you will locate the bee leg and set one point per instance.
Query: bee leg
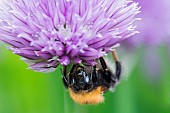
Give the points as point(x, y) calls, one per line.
point(103, 63)
point(65, 78)
point(118, 65)
point(106, 74)
point(94, 75)
point(72, 68)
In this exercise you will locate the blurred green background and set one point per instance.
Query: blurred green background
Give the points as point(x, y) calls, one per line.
point(26, 91)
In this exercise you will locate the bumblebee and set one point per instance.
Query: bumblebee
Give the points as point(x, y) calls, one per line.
point(87, 86)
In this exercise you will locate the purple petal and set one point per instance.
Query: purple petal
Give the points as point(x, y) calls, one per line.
point(64, 60)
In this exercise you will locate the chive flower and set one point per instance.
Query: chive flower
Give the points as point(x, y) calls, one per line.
point(47, 33)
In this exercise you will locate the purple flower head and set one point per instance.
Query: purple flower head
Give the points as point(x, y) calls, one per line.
point(47, 33)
